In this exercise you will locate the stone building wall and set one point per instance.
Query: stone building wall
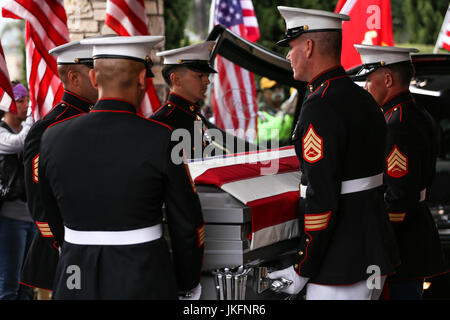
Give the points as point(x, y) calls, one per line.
point(86, 18)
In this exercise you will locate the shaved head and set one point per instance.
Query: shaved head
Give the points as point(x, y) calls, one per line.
point(327, 43)
point(117, 74)
point(120, 78)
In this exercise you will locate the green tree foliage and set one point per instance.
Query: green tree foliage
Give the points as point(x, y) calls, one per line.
point(424, 19)
point(176, 13)
point(417, 21)
point(272, 25)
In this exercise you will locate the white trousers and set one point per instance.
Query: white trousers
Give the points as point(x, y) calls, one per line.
point(357, 291)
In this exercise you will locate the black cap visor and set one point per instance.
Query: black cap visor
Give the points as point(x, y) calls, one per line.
point(293, 33)
point(199, 66)
point(368, 68)
point(88, 62)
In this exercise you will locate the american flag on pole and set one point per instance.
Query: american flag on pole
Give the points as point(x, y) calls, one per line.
point(267, 181)
point(128, 18)
point(45, 29)
point(444, 35)
point(6, 93)
point(234, 90)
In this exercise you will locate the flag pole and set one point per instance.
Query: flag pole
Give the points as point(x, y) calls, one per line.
point(443, 30)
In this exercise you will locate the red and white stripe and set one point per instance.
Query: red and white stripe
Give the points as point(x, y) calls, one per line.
point(446, 39)
point(46, 28)
point(443, 40)
point(128, 18)
point(266, 181)
point(234, 89)
point(7, 102)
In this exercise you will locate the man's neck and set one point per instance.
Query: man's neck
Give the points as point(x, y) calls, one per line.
point(131, 98)
point(183, 95)
point(319, 64)
point(393, 92)
point(13, 122)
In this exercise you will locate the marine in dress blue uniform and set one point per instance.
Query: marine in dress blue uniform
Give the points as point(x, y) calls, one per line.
point(42, 258)
point(110, 200)
point(186, 71)
point(340, 142)
point(410, 159)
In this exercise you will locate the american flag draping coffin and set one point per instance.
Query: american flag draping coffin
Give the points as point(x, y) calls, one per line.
point(249, 203)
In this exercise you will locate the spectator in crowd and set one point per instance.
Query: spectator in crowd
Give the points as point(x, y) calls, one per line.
point(16, 226)
point(274, 122)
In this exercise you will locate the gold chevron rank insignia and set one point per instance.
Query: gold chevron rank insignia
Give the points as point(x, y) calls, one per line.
point(314, 222)
point(397, 163)
point(397, 217)
point(201, 235)
point(35, 169)
point(44, 228)
point(312, 146)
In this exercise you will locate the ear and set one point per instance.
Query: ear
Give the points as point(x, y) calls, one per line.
point(309, 47)
point(141, 79)
point(175, 79)
point(388, 80)
point(92, 78)
point(70, 76)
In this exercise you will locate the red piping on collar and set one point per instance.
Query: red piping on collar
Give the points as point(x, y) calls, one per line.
point(177, 95)
point(74, 94)
point(114, 111)
point(323, 72)
point(163, 124)
point(67, 107)
point(71, 105)
point(77, 115)
point(182, 109)
point(393, 97)
point(399, 105)
point(328, 84)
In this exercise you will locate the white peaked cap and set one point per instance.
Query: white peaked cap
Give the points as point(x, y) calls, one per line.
point(199, 51)
point(72, 53)
point(195, 56)
point(134, 47)
point(384, 55)
point(309, 20)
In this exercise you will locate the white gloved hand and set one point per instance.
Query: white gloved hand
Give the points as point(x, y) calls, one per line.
point(289, 273)
point(194, 294)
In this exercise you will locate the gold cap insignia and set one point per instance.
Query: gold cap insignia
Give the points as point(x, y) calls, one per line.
point(76, 60)
point(382, 63)
point(306, 27)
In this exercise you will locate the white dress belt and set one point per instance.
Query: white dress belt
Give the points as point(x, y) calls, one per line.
point(355, 185)
point(110, 238)
point(362, 184)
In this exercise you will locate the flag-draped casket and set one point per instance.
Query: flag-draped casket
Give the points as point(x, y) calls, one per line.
point(249, 203)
